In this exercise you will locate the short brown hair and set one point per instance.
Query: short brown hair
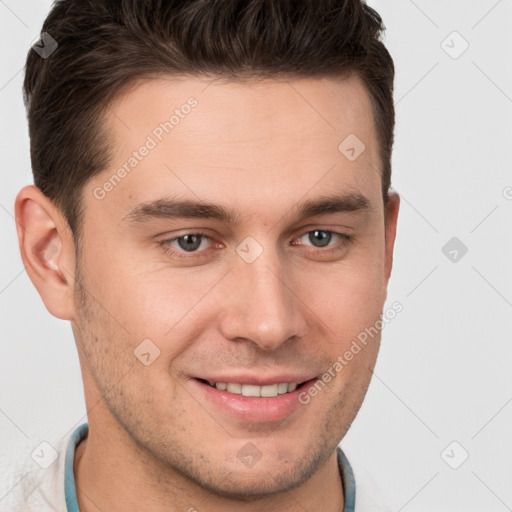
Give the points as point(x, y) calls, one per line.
point(105, 45)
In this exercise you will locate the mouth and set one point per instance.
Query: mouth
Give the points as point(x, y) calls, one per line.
point(251, 402)
point(252, 390)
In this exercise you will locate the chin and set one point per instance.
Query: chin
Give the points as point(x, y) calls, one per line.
point(253, 486)
point(267, 477)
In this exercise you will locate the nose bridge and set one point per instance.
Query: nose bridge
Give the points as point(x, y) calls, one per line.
point(264, 308)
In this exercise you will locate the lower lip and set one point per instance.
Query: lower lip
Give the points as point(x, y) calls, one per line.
point(252, 408)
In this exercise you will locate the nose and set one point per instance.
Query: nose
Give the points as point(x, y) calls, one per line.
point(264, 304)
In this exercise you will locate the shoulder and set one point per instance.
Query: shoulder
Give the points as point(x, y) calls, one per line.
point(370, 497)
point(33, 478)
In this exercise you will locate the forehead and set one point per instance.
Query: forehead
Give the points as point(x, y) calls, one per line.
point(241, 109)
point(256, 140)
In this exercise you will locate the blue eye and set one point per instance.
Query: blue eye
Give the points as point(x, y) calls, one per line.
point(190, 245)
point(187, 243)
point(323, 237)
point(190, 242)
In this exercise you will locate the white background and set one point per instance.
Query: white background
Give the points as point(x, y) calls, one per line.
point(443, 373)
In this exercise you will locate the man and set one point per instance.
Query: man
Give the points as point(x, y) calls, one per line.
point(212, 214)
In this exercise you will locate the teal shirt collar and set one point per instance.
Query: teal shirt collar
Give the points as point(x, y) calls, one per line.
point(69, 475)
point(347, 475)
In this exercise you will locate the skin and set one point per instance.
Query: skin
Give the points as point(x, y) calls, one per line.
point(155, 442)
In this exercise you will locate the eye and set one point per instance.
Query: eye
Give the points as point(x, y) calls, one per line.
point(321, 238)
point(195, 244)
point(188, 243)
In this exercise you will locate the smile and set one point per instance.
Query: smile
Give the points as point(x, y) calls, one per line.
point(270, 390)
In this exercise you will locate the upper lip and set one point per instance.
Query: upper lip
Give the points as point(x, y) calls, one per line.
point(259, 380)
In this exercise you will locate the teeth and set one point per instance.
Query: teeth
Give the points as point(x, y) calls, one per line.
point(234, 387)
point(282, 388)
point(271, 390)
point(252, 390)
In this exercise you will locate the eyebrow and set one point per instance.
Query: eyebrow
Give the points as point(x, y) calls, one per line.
point(187, 209)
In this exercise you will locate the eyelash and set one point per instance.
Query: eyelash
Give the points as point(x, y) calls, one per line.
point(165, 244)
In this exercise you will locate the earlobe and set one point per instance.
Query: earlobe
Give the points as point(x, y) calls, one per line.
point(47, 250)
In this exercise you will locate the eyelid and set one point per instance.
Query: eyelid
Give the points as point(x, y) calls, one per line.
point(328, 230)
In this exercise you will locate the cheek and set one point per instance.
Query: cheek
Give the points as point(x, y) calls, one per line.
point(349, 299)
point(162, 306)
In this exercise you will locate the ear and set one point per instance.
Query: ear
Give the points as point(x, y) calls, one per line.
point(47, 250)
point(391, 223)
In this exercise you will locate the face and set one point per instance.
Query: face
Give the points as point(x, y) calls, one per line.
point(268, 283)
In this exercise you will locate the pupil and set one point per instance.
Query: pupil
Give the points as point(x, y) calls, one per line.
point(195, 242)
point(320, 236)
